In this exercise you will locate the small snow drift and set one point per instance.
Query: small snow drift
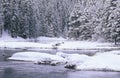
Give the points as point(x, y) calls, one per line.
point(39, 58)
point(104, 62)
point(73, 59)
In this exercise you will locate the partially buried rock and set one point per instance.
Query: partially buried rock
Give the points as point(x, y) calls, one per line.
point(70, 66)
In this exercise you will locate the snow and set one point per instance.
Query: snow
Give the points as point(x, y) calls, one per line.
point(63, 45)
point(50, 39)
point(7, 38)
point(43, 42)
point(78, 45)
point(51, 43)
point(73, 58)
point(24, 45)
point(38, 57)
point(103, 62)
point(116, 52)
point(108, 61)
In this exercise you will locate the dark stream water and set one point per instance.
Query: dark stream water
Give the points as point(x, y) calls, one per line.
point(15, 69)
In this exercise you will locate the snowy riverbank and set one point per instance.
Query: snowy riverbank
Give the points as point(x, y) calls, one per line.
point(53, 43)
point(105, 60)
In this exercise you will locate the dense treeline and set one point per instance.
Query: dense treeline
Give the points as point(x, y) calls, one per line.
point(33, 18)
point(95, 20)
point(75, 19)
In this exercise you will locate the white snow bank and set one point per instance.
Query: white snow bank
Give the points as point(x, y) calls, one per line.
point(37, 57)
point(10, 39)
point(25, 45)
point(7, 38)
point(108, 61)
point(50, 43)
point(101, 62)
point(117, 52)
point(73, 59)
point(84, 45)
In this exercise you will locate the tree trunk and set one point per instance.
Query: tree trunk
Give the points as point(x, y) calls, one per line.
point(115, 40)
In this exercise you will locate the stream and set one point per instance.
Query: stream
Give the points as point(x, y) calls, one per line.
point(17, 69)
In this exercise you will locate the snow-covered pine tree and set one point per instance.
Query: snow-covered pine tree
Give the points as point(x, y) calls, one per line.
point(112, 30)
point(7, 14)
point(100, 19)
point(31, 20)
point(52, 17)
point(92, 20)
point(1, 18)
point(14, 19)
point(82, 20)
point(26, 23)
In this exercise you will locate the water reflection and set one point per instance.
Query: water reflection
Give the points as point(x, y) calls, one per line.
point(93, 74)
point(29, 70)
point(2, 57)
point(8, 73)
point(41, 72)
point(5, 53)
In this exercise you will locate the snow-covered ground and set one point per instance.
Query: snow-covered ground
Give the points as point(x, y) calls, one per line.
point(24, 45)
point(43, 42)
point(78, 45)
point(101, 61)
point(74, 58)
point(50, 40)
point(52, 43)
point(108, 61)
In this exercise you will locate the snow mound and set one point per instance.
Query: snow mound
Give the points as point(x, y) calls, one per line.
point(73, 59)
point(105, 62)
point(39, 58)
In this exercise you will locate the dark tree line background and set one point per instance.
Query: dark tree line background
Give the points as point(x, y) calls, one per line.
point(73, 19)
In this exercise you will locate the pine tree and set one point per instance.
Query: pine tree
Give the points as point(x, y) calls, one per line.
point(1, 18)
point(82, 20)
point(113, 26)
point(7, 14)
